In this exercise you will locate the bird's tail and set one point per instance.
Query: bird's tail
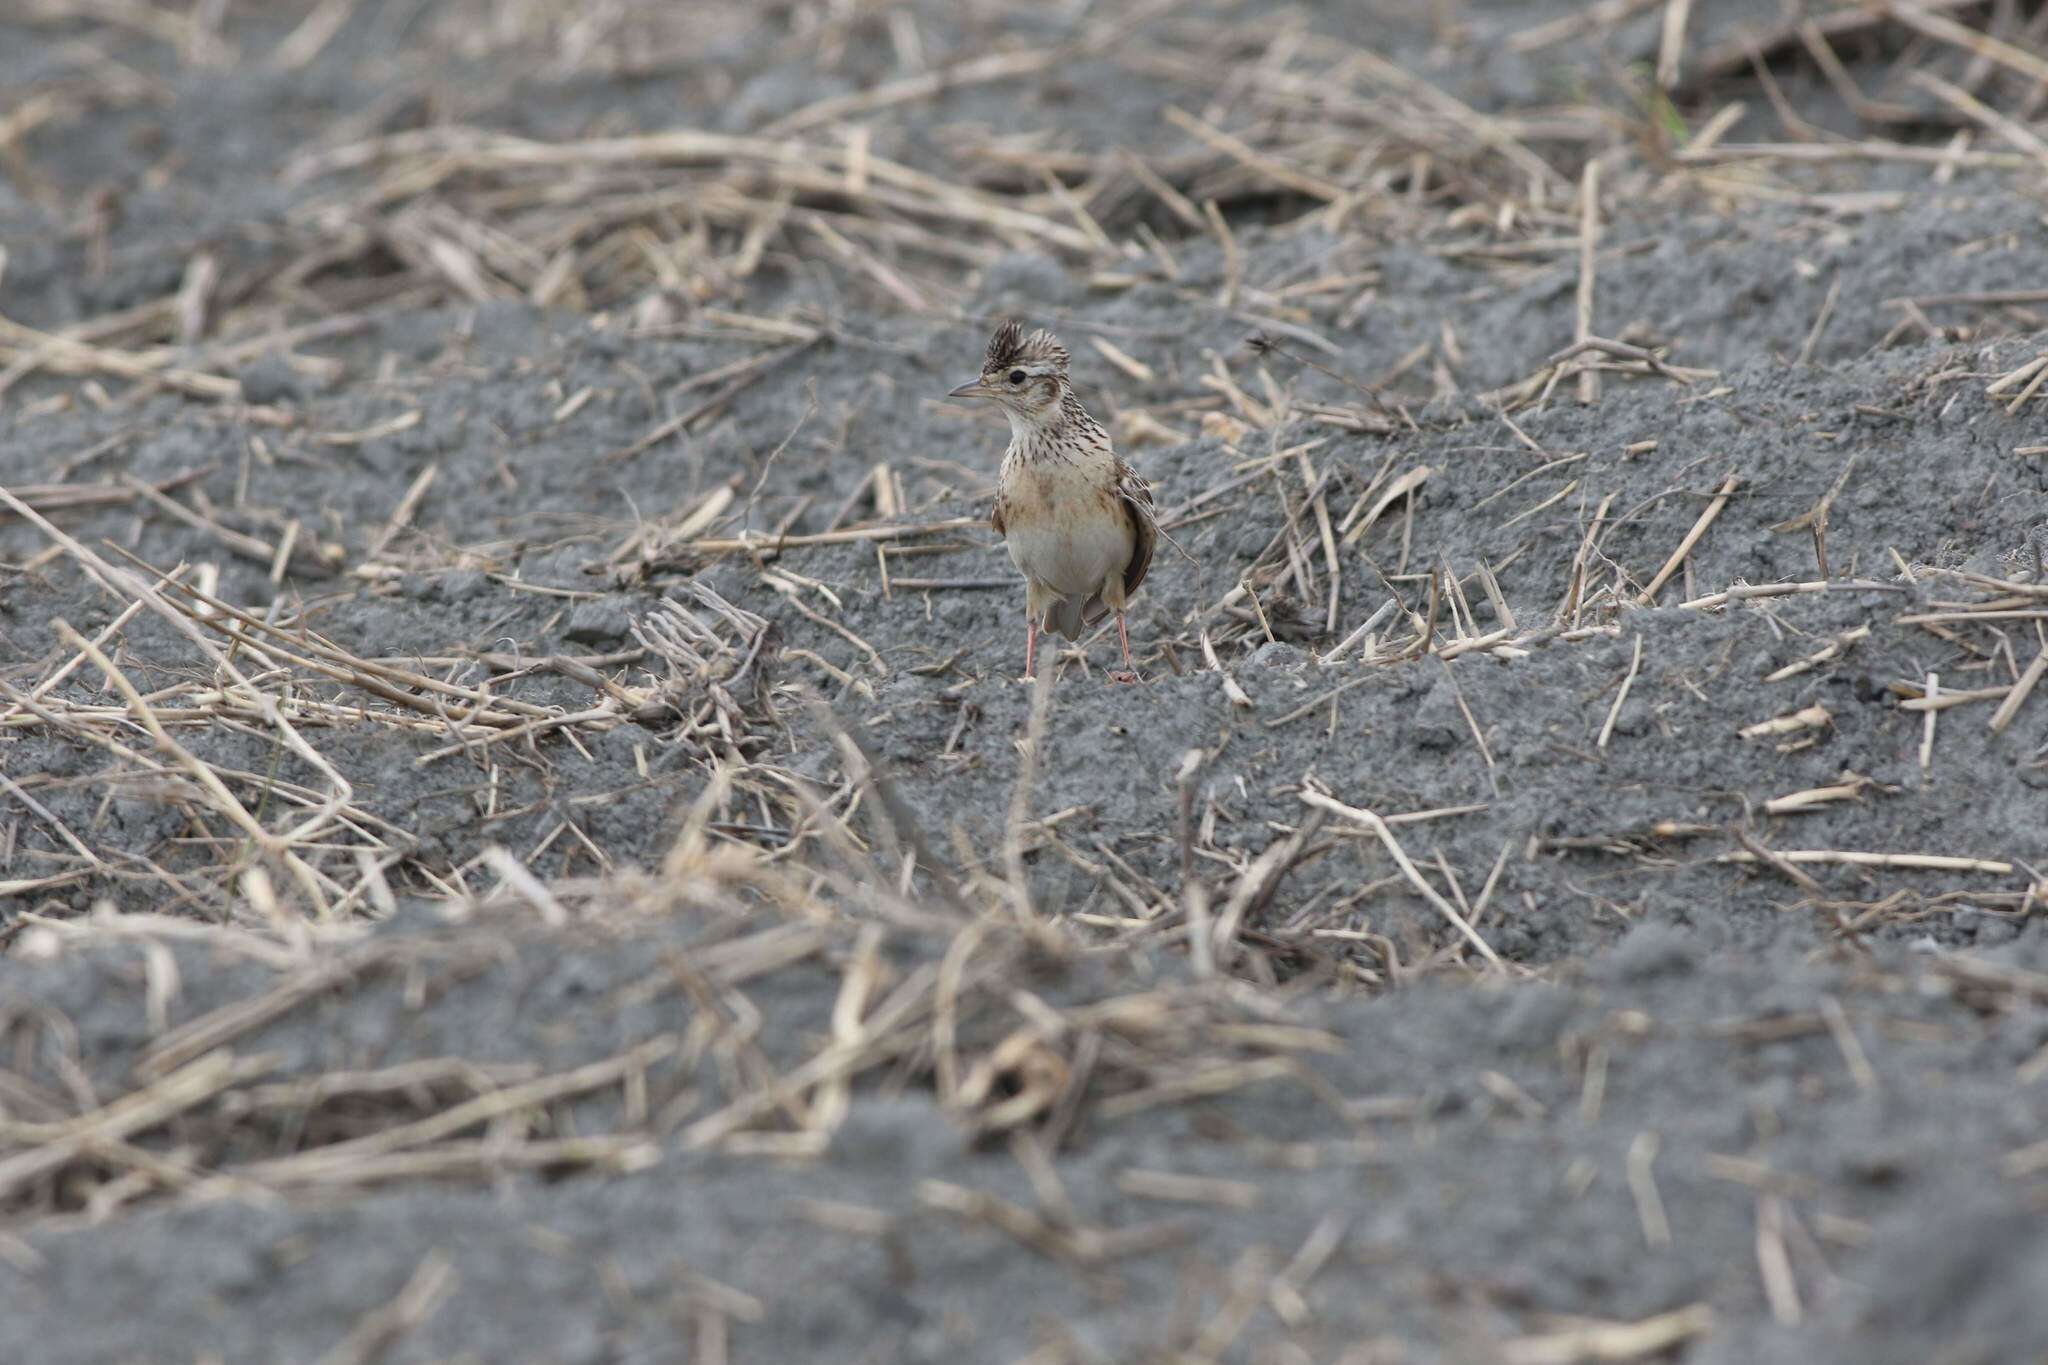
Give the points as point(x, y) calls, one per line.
point(1066, 616)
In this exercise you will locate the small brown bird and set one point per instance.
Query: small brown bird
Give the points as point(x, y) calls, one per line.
point(1077, 520)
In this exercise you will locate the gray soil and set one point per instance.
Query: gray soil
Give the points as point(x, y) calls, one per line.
point(1712, 1093)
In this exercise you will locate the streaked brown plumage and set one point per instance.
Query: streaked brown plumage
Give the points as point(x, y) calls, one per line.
point(1078, 521)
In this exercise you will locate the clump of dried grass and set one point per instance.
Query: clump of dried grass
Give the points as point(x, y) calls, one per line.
point(938, 995)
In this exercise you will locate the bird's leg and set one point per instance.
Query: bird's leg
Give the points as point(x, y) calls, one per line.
point(1130, 670)
point(1030, 646)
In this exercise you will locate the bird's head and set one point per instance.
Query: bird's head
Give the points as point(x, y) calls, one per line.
point(1025, 376)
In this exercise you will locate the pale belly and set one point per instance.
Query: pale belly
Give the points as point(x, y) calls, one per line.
point(1075, 557)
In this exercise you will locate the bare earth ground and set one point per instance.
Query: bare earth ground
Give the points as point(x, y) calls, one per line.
point(521, 839)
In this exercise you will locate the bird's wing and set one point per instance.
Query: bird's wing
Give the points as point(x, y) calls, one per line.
point(1137, 500)
point(995, 517)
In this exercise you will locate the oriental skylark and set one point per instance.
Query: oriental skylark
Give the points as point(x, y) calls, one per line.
point(1077, 520)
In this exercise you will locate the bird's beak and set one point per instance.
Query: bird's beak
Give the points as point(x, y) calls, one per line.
point(974, 389)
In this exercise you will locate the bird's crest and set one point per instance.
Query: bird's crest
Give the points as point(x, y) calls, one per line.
point(1009, 346)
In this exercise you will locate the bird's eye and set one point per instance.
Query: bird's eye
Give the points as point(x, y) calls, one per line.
point(1016, 376)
